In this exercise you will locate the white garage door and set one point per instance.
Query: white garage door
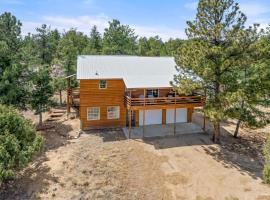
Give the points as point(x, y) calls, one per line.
point(181, 115)
point(151, 117)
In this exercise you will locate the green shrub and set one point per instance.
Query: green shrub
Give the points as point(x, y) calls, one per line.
point(19, 141)
point(266, 169)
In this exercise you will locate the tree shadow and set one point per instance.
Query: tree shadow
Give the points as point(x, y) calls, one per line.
point(179, 140)
point(239, 153)
point(108, 134)
point(36, 177)
point(242, 154)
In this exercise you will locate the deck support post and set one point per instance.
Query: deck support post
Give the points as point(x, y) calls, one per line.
point(204, 111)
point(144, 93)
point(174, 124)
point(68, 95)
point(129, 123)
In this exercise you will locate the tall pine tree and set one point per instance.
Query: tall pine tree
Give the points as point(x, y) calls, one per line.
point(212, 55)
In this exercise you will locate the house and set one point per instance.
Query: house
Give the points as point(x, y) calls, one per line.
point(119, 91)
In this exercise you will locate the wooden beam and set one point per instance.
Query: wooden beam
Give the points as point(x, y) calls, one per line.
point(174, 124)
point(204, 110)
point(164, 117)
point(137, 115)
point(144, 111)
point(68, 91)
point(129, 124)
point(189, 114)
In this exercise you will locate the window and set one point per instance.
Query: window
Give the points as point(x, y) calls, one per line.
point(102, 84)
point(113, 112)
point(152, 93)
point(93, 113)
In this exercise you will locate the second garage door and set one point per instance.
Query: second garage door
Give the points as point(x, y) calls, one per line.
point(181, 115)
point(151, 117)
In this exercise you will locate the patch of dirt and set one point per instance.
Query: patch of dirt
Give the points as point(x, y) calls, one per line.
point(102, 164)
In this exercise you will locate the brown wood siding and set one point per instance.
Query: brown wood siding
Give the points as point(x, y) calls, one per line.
point(189, 114)
point(92, 96)
point(136, 118)
point(164, 113)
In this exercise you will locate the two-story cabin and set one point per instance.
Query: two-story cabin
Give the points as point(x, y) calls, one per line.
point(119, 91)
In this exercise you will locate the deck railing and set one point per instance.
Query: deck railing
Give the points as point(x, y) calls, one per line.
point(164, 100)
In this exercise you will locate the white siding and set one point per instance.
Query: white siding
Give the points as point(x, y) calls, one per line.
point(151, 117)
point(181, 115)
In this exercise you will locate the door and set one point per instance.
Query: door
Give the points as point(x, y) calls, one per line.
point(181, 115)
point(151, 117)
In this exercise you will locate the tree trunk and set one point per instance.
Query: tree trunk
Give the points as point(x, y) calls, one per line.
point(237, 129)
point(216, 133)
point(40, 118)
point(60, 97)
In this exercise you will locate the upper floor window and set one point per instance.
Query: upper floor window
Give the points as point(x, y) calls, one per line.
point(102, 84)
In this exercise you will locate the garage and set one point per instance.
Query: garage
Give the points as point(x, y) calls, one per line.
point(181, 115)
point(151, 117)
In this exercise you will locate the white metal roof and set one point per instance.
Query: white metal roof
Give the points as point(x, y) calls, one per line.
point(136, 71)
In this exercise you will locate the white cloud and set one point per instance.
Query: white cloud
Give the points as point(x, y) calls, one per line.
point(164, 32)
point(256, 12)
point(254, 9)
point(84, 24)
point(191, 5)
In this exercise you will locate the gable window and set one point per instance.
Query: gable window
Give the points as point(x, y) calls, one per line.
point(93, 113)
point(152, 93)
point(113, 112)
point(102, 84)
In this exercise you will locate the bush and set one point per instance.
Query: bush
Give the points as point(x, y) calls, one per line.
point(19, 141)
point(266, 169)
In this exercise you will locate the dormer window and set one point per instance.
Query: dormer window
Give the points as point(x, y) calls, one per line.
point(102, 84)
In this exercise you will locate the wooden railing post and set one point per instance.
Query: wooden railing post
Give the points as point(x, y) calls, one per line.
point(144, 111)
point(129, 123)
point(174, 124)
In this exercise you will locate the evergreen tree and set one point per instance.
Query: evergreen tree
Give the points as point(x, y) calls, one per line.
point(212, 55)
point(70, 46)
point(143, 46)
point(42, 91)
point(59, 84)
point(44, 46)
point(156, 46)
point(172, 45)
point(119, 39)
point(13, 87)
point(94, 45)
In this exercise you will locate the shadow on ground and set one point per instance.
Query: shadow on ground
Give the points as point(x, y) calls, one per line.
point(108, 135)
point(36, 177)
point(239, 153)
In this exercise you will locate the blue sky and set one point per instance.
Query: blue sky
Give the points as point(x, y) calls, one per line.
point(166, 18)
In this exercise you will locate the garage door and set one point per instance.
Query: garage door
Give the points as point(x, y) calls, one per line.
point(181, 115)
point(151, 117)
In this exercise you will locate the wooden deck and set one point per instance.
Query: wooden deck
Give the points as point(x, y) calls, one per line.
point(164, 102)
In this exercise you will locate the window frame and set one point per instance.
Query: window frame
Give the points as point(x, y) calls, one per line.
point(88, 110)
point(99, 83)
point(118, 114)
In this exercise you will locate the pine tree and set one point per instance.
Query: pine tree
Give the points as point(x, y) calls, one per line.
point(94, 45)
point(212, 56)
point(42, 91)
point(13, 73)
point(119, 39)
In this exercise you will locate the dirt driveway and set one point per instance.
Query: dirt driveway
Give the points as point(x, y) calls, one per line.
point(101, 165)
point(104, 165)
